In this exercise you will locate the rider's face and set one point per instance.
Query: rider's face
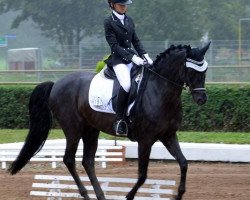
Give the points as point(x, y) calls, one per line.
point(120, 8)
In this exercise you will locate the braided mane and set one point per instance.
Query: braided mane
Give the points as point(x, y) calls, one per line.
point(172, 49)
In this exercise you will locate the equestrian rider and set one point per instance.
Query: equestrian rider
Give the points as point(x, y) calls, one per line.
point(120, 33)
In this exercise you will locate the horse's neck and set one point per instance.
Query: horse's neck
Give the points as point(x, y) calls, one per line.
point(162, 90)
point(170, 80)
point(160, 102)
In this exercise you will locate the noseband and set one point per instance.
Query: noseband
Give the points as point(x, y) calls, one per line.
point(198, 90)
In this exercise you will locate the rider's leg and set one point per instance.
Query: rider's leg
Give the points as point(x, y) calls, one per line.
point(123, 75)
point(120, 125)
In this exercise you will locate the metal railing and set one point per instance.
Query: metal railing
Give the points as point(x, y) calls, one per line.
point(222, 56)
point(215, 74)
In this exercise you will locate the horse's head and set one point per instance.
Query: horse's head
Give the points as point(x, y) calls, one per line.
point(196, 67)
point(183, 64)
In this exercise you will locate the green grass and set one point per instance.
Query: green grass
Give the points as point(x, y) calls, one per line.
point(215, 137)
point(10, 135)
point(2, 64)
point(19, 135)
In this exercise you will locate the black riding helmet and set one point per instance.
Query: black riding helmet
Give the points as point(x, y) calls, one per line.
point(122, 2)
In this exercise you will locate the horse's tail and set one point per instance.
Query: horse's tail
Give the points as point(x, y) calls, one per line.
point(40, 124)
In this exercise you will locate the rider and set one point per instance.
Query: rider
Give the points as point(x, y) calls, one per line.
point(120, 33)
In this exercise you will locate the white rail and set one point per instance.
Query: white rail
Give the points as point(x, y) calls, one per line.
point(58, 187)
point(54, 154)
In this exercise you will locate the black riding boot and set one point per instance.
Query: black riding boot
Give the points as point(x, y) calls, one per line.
point(120, 125)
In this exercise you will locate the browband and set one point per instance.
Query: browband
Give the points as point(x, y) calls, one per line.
point(199, 66)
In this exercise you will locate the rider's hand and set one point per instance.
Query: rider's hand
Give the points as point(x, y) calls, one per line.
point(137, 60)
point(149, 60)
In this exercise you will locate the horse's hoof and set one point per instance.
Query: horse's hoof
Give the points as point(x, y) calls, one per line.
point(177, 198)
point(129, 198)
point(84, 195)
point(101, 197)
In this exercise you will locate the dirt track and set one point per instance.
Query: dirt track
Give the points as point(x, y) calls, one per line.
point(205, 181)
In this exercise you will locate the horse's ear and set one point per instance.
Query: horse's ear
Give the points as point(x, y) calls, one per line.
point(205, 48)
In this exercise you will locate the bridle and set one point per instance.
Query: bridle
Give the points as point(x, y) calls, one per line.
point(192, 90)
point(148, 67)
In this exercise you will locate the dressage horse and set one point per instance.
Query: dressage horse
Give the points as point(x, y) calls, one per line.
point(158, 115)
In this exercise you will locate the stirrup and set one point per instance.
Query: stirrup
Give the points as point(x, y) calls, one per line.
point(121, 128)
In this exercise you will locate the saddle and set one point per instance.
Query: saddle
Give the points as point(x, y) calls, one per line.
point(136, 77)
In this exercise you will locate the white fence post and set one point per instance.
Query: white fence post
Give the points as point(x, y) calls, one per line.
point(104, 164)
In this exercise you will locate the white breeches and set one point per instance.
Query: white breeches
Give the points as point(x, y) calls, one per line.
point(122, 72)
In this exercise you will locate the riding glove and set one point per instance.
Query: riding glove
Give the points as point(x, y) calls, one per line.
point(149, 60)
point(137, 60)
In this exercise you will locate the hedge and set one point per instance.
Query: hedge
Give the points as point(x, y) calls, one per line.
point(14, 106)
point(227, 108)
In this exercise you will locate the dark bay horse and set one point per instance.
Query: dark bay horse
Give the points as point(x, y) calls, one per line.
point(157, 115)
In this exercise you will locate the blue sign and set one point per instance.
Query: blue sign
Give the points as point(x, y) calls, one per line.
point(10, 36)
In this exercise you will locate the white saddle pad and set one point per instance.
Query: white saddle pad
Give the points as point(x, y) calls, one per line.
point(100, 94)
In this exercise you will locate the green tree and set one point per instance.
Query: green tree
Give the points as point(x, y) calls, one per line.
point(66, 22)
point(171, 20)
point(222, 18)
point(188, 19)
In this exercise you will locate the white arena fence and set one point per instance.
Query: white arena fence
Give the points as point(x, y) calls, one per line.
point(193, 151)
point(59, 187)
point(54, 154)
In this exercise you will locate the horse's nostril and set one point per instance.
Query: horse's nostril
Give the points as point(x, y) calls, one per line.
point(201, 101)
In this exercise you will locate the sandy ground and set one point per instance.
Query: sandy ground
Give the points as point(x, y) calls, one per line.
point(205, 181)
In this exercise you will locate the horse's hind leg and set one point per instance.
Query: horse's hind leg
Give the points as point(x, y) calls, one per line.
point(172, 144)
point(72, 141)
point(90, 140)
point(144, 153)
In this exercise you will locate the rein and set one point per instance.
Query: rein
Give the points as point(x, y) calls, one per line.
point(162, 77)
point(167, 80)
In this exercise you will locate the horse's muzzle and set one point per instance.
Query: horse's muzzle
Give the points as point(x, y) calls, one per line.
point(199, 95)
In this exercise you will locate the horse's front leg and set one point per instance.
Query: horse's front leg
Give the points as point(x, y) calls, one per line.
point(144, 153)
point(172, 144)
